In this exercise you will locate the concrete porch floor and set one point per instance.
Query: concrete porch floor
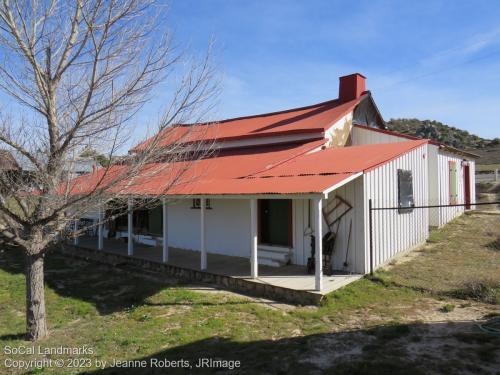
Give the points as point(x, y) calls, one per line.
point(289, 276)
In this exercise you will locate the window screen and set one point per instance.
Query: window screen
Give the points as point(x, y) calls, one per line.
point(405, 191)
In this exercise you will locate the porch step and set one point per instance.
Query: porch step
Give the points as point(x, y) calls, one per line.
point(274, 257)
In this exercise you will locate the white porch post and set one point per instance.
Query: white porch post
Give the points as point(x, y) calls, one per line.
point(165, 231)
point(254, 264)
point(130, 227)
point(75, 229)
point(318, 217)
point(203, 249)
point(100, 232)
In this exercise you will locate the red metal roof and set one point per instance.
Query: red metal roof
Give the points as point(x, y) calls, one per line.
point(282, 169)
point(341, 160)
point(312, 119)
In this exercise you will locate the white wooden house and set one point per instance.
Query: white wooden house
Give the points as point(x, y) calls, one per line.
point(276, 179)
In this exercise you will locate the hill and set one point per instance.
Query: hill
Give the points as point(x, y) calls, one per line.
point(488, 149)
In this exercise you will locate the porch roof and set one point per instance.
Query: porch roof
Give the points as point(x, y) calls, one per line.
point(282, 169)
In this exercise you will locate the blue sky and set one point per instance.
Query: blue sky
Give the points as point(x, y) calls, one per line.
point(425, 59)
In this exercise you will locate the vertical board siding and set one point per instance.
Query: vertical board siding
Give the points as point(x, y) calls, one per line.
point(394, 232)
point(352, 192)
point(434, 185)
point(361, 136)
point(447, 214)
point(227, 226)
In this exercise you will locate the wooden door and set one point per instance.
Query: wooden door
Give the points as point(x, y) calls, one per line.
point(467, 186)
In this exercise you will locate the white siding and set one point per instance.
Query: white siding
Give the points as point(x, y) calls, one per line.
point(352, 193)
point(449, 213)
point(301, 231)
point(365, 136)
point(433, 151)
point(394, 232)
point(227, 226)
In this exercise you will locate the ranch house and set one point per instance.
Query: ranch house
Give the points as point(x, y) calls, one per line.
point(284, 200)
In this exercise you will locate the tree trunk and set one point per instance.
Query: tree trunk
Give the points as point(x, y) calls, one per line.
point(36, 323)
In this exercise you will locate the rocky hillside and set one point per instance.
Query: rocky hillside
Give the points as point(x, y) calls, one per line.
point(488, 149)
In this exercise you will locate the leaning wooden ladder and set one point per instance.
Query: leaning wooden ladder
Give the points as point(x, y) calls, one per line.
point(332, 216)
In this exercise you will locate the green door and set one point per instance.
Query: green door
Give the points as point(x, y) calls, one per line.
point(275, 219)
point(453, 181)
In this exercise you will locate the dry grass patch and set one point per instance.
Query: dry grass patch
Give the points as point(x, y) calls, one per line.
point(460, 260)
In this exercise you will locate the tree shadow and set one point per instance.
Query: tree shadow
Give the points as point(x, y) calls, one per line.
point(494, 245)
point(108, 289)
point(395, 349)
point(309, 113)
point(13, 337)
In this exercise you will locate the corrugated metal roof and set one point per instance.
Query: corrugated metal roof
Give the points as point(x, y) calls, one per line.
point(341, 160)
point(312, 119)
point(263, 170)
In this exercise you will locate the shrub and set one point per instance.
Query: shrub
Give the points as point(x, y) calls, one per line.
point(449, 307)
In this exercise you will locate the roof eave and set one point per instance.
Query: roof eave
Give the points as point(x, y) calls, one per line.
point(457, 151)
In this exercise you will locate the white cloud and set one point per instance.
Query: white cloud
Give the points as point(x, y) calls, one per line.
point(462, 51)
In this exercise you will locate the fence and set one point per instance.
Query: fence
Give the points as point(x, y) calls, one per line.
point(393, 230)
point(488, 176)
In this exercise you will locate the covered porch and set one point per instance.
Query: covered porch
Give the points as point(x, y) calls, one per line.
point(226, 236)
point(289, 276)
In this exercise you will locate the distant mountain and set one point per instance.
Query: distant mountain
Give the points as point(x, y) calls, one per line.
point(488, 149)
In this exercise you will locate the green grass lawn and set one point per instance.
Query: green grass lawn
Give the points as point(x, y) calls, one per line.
point(391, 323)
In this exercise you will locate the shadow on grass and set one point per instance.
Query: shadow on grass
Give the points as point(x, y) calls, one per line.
point(494, 245)
point(108, 289)
point(395, 349)
point(13, 337)
point(485, 291)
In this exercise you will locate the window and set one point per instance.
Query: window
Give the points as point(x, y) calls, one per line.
point(405, 191)
point(197, 204)
point(452, 177)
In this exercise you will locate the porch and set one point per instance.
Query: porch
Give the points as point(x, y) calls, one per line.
point(289, 279)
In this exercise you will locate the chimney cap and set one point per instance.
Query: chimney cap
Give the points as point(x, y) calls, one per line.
point(353, 74)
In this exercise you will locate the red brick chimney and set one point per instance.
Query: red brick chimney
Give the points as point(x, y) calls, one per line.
point(351, 87)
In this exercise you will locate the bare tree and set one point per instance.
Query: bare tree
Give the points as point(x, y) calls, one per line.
point(77, 72)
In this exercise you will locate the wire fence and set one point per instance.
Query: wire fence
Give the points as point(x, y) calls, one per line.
point(393, 230)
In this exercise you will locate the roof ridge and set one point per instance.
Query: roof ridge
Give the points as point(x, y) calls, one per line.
point(331, 101)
